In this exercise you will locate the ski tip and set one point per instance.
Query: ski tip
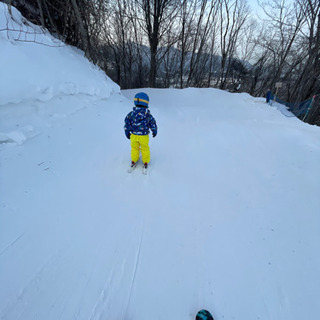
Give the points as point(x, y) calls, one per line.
point(204, 315)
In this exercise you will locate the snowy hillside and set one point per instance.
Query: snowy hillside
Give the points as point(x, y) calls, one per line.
point(227, 218)
point(38, 65)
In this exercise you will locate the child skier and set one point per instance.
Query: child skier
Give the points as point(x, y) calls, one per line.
point(137, 125)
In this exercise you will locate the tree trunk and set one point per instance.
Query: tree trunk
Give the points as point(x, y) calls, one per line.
point(82, 29)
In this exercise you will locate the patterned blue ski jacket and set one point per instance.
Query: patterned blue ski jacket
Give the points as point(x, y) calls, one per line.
point(139, 122)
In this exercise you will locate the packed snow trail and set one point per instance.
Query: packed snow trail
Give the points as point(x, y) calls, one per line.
point(220, 222)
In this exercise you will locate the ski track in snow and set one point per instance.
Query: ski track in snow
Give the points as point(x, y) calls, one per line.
point(11, 244)
point(120, 269)
point(33, 287)
point(135, 268)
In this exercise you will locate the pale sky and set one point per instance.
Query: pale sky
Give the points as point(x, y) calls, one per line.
point(257, 10)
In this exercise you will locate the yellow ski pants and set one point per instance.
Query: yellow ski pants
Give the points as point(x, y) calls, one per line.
point(138, 142)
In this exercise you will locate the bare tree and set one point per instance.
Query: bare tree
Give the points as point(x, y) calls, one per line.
point(213, 48)
point(159, 16)
point(308, 83)
point(285, 22)
point(185, 23)
point(233, 15)
point(205, 22)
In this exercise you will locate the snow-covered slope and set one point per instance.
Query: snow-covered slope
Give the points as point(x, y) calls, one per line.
point(227, 219)
point(34, 64)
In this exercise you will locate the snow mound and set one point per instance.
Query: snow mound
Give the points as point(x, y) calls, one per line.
point(43, 67)
point(18, 136)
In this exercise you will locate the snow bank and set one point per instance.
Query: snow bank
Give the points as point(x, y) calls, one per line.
point(37, 66)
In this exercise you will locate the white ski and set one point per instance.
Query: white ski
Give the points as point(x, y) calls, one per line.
point(132, 167)
point(145, 170)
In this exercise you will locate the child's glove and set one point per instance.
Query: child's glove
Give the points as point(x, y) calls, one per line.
point(128, 135)
point(154, 134)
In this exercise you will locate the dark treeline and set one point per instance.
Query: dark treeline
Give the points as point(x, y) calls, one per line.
point(200, 43)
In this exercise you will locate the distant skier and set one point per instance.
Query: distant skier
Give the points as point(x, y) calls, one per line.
point(269, 96)
point(138, 124)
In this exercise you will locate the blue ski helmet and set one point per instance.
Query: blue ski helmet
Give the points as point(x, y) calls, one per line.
point(141, 99)
point(204, 315)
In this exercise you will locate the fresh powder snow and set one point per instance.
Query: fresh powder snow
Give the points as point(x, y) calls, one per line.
point(227, 218)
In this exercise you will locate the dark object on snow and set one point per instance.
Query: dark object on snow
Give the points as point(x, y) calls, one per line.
point(204, 315)
point(268, 97)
